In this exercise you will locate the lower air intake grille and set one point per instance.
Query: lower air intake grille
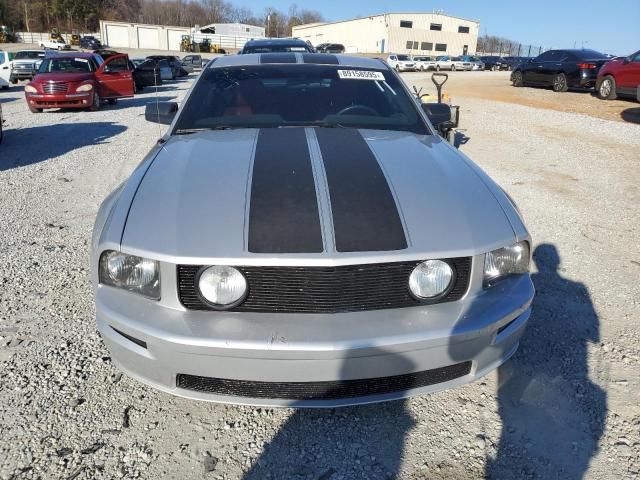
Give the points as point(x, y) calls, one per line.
point(349, 288)
point(322, 390)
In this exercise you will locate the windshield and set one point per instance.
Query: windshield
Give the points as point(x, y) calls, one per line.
point(65, 65)
point(591, 54)
point(29, 55)
point(403, 58)
point(301, 95)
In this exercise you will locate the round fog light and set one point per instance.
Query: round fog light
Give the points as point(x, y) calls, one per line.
point(430, 279)
point(222, 287)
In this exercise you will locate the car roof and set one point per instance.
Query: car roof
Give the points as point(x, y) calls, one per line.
point(276, 41)
point(298, 58)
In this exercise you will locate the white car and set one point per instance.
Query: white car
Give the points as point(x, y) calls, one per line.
point(5, 70)
point(401, 63)
point(56, 44)
point(460, 63)
point(425, 63)
point(444, 63)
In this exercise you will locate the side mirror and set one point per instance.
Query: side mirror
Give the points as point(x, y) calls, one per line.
point(439, 114)
point(161, 112)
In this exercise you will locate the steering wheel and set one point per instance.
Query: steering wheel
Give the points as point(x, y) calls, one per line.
point(351, 109)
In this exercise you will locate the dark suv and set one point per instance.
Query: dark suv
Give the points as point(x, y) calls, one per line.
point(330, 48)
point(494, 62)
point(560, 69)
point(278, 45)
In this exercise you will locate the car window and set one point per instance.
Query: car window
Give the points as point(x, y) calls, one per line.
point(309, 95)
point(636, 57)
point(118, 64)
point(28, 55)
point(546, 56)
point(65, 65)
point(403, 58)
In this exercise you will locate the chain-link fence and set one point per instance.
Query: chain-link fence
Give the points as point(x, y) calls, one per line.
point(488, 45)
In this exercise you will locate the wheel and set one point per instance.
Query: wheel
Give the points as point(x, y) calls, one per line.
point(494, 68)
point(607, 89)
point(35, 110)
point(560, 83)
point(112, 101)
point(516, 79)
point(437, 68)
point(509, 68)
point(397, 68)
point(15, 82)
point(95, 106)
point(453, 68)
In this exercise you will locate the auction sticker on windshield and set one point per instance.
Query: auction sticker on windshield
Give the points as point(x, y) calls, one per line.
point(360, 75)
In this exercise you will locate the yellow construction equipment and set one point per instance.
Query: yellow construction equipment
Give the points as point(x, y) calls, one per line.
point(75, 40)
point(55, 35)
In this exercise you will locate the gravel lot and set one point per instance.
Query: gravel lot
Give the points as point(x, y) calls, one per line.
point(568, 403)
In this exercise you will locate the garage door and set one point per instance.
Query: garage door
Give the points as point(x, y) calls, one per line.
point(173, 39)
point(117, 36)
point(148, 38)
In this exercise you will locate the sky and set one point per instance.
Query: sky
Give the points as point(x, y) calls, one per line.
point(610, 27)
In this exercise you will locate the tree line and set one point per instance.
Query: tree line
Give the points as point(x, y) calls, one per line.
point(84, 15)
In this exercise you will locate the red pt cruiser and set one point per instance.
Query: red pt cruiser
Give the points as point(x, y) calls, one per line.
point(79, 80)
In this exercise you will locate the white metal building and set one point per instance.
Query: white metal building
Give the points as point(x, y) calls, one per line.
point(234, 29)
point(413, 33)
point(138, 35)
point(163, 37)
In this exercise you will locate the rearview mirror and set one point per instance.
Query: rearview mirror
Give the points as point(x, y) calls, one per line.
point(161, 112)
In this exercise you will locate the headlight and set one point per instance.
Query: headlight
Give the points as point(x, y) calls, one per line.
point(87, 87)
point(135, 274)
point(506, 261)
point(222, 287)
point(30, 89)
point(430, 279)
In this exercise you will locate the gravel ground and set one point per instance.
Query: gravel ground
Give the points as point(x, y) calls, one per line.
point(568, 403)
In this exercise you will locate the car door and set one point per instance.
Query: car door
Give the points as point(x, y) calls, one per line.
point(5, 69)
point(554, 64)
point(532, 71)
point(628, 77)
point(115, 78)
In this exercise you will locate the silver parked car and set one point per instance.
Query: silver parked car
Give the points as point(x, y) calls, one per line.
point(301, 235)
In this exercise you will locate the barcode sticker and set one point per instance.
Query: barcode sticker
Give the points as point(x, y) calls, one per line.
point(361, 75)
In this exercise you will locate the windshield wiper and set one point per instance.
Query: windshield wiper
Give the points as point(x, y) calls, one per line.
point(188, 131)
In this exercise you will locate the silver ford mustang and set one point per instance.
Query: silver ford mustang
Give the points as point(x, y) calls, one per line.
point(302, 236)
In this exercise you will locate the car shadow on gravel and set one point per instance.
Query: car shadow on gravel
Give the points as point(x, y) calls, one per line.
point(27, 146)
point(138, 101)
point(363, 442)
point(631, 115)
point(552, 414)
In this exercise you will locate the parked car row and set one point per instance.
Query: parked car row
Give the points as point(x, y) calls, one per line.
point(581, 69)
point(408, 63)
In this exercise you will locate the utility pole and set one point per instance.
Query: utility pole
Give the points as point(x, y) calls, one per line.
point(26, 15)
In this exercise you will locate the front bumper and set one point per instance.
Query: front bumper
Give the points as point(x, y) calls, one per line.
point(156, 344)
point(66, 100)
point(21, 75)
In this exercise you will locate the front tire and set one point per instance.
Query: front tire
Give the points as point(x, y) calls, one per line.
point(95, 106)
point(560, 83)
point(607, 89)
point(437, 68)
point(517, 80)
point(34, 109)
point(453, 68)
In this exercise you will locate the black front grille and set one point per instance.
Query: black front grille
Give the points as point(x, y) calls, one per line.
point(347, 288)
point(322, 390)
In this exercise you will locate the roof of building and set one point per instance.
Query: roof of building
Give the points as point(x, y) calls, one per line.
point(317, 24)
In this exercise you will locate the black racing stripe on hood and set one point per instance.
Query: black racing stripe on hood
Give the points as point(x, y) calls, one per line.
point(365, 215)
point(283, 210)
point(320, 58)
point(278, 58)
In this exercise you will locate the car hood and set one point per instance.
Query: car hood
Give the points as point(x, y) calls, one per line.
point(62, 77)
point(312, 195)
